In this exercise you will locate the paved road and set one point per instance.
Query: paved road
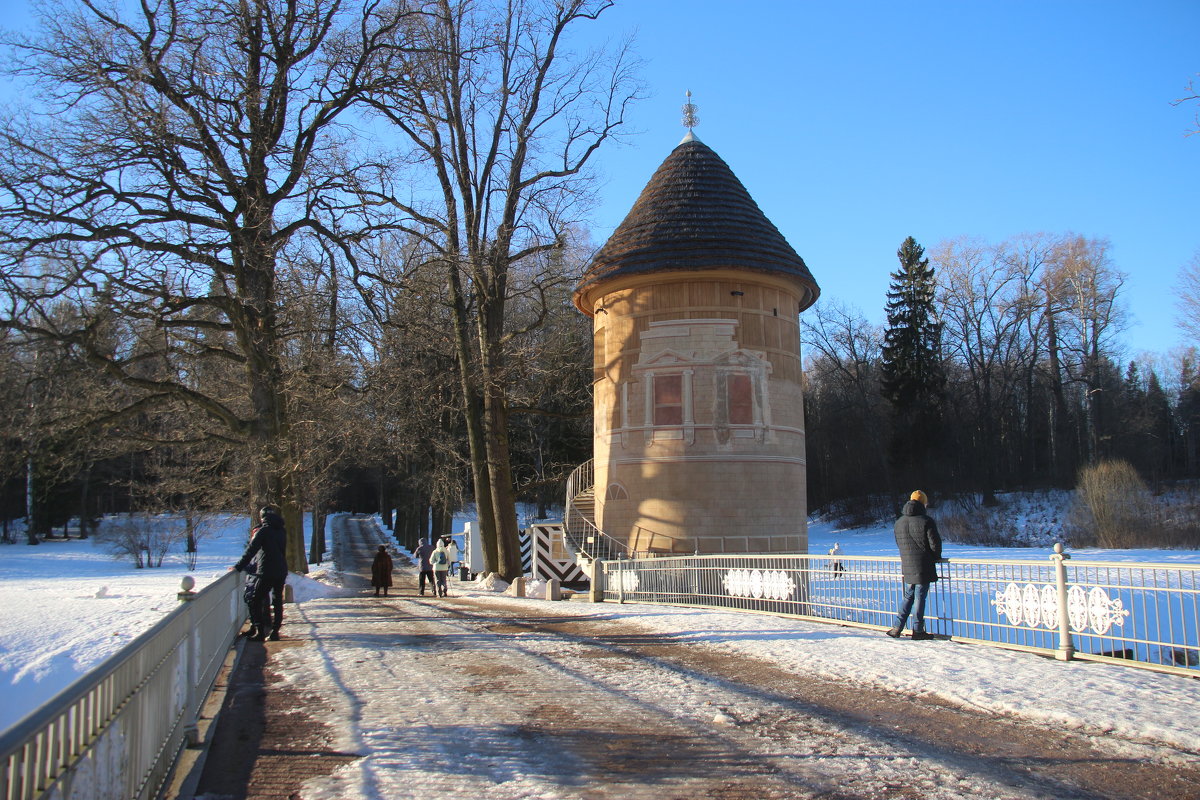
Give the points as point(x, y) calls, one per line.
point(535, 704)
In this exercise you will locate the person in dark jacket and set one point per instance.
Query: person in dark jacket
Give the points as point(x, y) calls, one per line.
point(920, 551)
point(268, 552)
point(423, 552)
point(381, 571)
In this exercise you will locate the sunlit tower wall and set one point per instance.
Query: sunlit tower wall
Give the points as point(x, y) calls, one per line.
point(697, 386)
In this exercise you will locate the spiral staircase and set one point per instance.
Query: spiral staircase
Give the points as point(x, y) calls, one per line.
point(592, 544)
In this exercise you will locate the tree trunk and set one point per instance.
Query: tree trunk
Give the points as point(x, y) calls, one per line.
point(495, 429)
point(85, 496)
point(473, 412)
point(316, 552)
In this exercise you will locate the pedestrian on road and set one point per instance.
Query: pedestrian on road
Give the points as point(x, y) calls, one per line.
point(441, 567)
point(920, 551)
point(451, 552)
point(381, 571)
point(268, 552)
point(836, 563)
point(423, 552)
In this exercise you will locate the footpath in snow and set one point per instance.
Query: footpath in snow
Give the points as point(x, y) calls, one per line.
point(483, 695)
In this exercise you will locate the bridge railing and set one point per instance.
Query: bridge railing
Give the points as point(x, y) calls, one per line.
point(1141, 614)
point(118, 730)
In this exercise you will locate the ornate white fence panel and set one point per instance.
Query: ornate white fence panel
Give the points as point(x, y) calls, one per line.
point(1142, 614)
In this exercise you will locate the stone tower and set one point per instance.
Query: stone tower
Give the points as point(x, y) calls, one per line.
point(698, 409)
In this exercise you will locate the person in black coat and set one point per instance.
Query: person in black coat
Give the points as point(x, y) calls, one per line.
point(381, 571)
point(268, 552)
point(920, 551)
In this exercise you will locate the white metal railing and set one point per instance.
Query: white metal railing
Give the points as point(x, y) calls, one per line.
point(118, 730)
point(1146, 615)
point(584, 536)
point(579, 530)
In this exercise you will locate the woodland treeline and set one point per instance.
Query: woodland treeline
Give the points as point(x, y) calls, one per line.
point(1019, 379)
point(320, 255)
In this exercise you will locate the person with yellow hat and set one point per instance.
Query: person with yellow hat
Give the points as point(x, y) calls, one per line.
point(920, 550)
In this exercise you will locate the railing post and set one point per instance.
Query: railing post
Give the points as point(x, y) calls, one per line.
point(1066, 648)
point(191, 730)
point(620, 577)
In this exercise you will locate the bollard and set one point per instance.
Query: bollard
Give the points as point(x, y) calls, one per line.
point(191, 730)
point(596, 587)
point(519, 583)
point(554, 589)
point(1066, 648)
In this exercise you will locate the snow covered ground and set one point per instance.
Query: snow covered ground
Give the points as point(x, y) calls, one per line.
point(66, 606)
point(412, 705)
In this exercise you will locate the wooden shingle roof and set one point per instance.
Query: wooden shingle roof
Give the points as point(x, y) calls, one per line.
point(694, 214)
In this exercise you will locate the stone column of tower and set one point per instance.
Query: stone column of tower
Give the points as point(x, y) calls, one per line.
point(699, 416)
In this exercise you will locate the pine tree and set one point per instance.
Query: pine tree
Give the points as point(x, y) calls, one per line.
point(913, 375)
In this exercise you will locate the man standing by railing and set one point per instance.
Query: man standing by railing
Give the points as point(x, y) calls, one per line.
point(920, 550)
point(268, 549)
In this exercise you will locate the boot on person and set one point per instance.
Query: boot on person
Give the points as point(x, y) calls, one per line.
point(918, 635)
point(274, 637)
point(894, 632)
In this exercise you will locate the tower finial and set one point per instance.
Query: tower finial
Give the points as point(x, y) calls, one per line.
point(691, 116)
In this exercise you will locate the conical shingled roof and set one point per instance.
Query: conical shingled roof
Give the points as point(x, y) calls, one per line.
point(694, 214)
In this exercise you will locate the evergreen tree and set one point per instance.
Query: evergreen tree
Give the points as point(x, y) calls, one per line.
point(913, 375)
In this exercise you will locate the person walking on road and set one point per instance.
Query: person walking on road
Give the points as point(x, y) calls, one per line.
point(451, 551)
point(920, 551)
point(422, 553)
point(268, 552)
point(381, 571)
point(835, 564)
point(440, 560)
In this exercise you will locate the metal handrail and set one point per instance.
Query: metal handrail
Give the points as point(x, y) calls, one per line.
point(118, 730)
point(580, 532)
point(586, 537)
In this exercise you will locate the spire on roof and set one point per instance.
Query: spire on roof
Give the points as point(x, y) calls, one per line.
point(691, 118)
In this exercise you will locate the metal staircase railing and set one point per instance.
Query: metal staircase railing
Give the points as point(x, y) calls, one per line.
point(585, 537)
point(579, 525)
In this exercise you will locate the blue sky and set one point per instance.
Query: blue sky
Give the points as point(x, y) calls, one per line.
point(856, 124)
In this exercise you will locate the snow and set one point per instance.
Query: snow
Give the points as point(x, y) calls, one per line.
point(66, 606)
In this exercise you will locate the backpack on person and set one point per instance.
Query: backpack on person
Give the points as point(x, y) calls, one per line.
point(438, 557)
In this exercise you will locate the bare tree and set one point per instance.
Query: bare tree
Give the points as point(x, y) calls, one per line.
point(980, 294)
point(1192, 96)
point(180, 151)
point(502, 122)
point(846, 415)
point(1188, 297)
point(1083, 292)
